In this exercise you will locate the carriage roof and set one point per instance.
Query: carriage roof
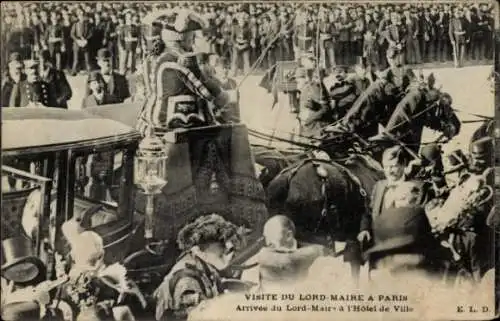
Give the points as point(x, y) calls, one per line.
point(38, 130)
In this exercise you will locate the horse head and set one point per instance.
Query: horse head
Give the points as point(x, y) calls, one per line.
point(423, 106)
point(442, 118)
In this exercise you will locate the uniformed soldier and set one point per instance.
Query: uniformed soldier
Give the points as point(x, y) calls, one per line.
point(458, 36)
point(37, 90)
point(314, 110)
point(208, 244)
point(327, 53)
point(81, 33)
point(130, 43)
point(54, 39)
point(343, 92)
point(56, 80)
point(241, 44)
point(180, 97)
point(302, 40)
point(254, 39)
point(111, 38)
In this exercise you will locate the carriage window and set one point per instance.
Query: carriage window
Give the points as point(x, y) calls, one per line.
point(97, 186)
point(41, 165)
point(98, 176)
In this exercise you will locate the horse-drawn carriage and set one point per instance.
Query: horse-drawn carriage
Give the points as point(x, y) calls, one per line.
point(78, 165)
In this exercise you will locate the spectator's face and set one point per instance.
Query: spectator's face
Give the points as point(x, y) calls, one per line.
point(113, 18)
point(53, 19)
point(393, 169)
point(81, 16)
point(96, 87)
point(32, 73)
point(368, 18)
point(16, 70)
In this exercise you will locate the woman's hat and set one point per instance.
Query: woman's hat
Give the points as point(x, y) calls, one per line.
point(20, 265)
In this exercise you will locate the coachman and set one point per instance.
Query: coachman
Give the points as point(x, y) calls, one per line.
point(180, 97)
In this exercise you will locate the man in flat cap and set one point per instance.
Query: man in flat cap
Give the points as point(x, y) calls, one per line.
point(181, 97)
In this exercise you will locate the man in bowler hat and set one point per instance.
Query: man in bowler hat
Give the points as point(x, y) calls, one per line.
point(116, 86)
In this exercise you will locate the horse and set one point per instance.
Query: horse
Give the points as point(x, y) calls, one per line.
point(326, 202)
point(373, 107)
point(421, 106)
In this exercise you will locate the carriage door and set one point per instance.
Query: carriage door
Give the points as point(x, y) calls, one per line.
point(27, 210)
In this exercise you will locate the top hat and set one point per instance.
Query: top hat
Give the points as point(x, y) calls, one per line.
point(103, 54)
point(21, 311)
point(457, 161)
point(20, 265)
point(399, 228)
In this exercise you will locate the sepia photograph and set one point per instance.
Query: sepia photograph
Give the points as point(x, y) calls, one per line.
point(244, 160)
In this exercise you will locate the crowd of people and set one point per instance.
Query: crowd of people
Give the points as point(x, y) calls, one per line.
point(262, 33)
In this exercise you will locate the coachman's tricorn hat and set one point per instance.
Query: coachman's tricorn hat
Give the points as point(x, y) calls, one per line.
point(20, 264)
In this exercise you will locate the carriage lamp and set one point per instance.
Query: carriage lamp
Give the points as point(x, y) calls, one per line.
point(150, 175)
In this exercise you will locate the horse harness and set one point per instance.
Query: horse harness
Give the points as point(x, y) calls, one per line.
point(322, 173)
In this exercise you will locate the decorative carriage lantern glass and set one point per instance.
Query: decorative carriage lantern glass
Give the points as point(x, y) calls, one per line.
point(150, 174)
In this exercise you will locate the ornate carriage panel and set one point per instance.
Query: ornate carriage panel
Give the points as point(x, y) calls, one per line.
point(209, 171)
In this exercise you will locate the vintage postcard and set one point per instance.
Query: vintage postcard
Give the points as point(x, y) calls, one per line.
point(245, 160)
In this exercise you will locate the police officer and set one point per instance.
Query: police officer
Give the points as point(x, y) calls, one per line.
point(55, 79)
point(54, 39)
point(130, 42)
point(241, 44)
point(37, 90)
point(314, 110)
point(185, 99)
